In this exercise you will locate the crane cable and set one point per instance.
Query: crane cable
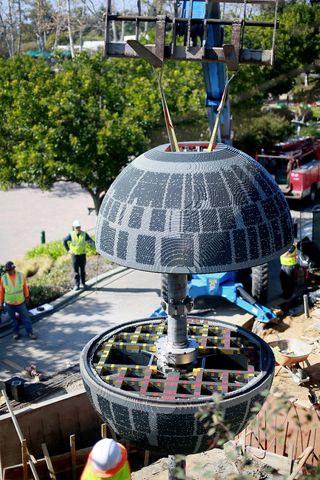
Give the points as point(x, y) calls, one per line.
point(166, 113)
point(220, 108)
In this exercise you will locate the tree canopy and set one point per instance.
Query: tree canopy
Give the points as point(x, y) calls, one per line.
point(83, 120)
point(297, 50)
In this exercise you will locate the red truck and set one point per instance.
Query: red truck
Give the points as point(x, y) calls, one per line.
point(295, 166)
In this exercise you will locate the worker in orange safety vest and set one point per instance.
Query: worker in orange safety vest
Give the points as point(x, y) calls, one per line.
point(107, 459)
point(14, 293)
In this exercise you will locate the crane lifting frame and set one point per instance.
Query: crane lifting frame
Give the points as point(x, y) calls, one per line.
point(232, 54)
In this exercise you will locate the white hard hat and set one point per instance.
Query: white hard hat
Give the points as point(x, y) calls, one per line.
point(76, 223)
point(106, 454)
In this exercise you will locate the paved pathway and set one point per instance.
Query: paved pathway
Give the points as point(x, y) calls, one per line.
point(27, 211)
point(122, 297)
point(126, 296)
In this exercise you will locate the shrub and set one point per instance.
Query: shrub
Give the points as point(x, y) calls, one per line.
point(261, 132)
point(43, 293)
point(49, 286)
point(54, 250)
point(51, 249)
point(49, 272)
point(45, 264)
point(35, 266)
point(28, 266)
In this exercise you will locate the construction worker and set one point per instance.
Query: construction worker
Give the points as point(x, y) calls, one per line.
point(289, 263)
point(15, 293)
point(75, 243)
point(107, 459)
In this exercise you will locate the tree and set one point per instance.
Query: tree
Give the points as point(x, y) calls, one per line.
point(297, 51)
point(82, 123)
point(76, 125)
point(262, 131)
point(11, 25)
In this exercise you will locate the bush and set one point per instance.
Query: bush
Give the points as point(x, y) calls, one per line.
point(51, 249)
point(312, 130)
point(49, 271)
point(50, 285)
point(254, 133)
point(54, 250)
point(43, 293)
point(35, 266)
point(28, 266)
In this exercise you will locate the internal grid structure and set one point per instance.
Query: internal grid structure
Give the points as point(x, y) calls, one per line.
point(227, 361)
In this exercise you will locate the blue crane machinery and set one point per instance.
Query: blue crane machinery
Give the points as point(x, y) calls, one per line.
point(147, 378)
point(226, 284)
point(199, 24)
point(215, 73)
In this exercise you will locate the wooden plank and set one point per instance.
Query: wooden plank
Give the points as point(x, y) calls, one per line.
point(301, 463)
point(24, 455)
point(103, 430)
point(51, 429)
point(51, 422)
point(48, 461)
point(73, 456)
point(20, 435)
point(242, 440)
point(285, 438)
point(146, 458)
point(278, 462)
point(291, 455)
point(61, 465)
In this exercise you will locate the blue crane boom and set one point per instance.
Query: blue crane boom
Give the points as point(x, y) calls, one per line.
point(202, 27)
point(215, 74)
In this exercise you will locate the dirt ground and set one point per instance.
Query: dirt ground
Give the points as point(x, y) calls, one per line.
point(306, 330)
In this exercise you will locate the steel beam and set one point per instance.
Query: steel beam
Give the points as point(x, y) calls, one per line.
point(197, 54)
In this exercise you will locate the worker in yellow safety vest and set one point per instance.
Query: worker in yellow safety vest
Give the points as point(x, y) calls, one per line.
point(14, 293)
point(107, 459)
point(75, 243)
point(289, 263)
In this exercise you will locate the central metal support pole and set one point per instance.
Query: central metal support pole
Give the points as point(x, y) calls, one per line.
point(176, 350)
point(177, 315)
point(174, 465)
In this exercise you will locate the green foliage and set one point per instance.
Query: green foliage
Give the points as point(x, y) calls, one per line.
point(84, 122)
point(261, 132)
point(51, 249)
point(77, 124)
point(49, 270)
point(296, 50)
point(54, 250)
point(42, 292)
point(85, 119)
point(50, 286)
point(311, 130)
point(316, 112)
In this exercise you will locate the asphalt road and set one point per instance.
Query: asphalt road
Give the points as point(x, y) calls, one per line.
point(126, 296)
point(27, 211)
point(119, 297)
point(129, 295)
